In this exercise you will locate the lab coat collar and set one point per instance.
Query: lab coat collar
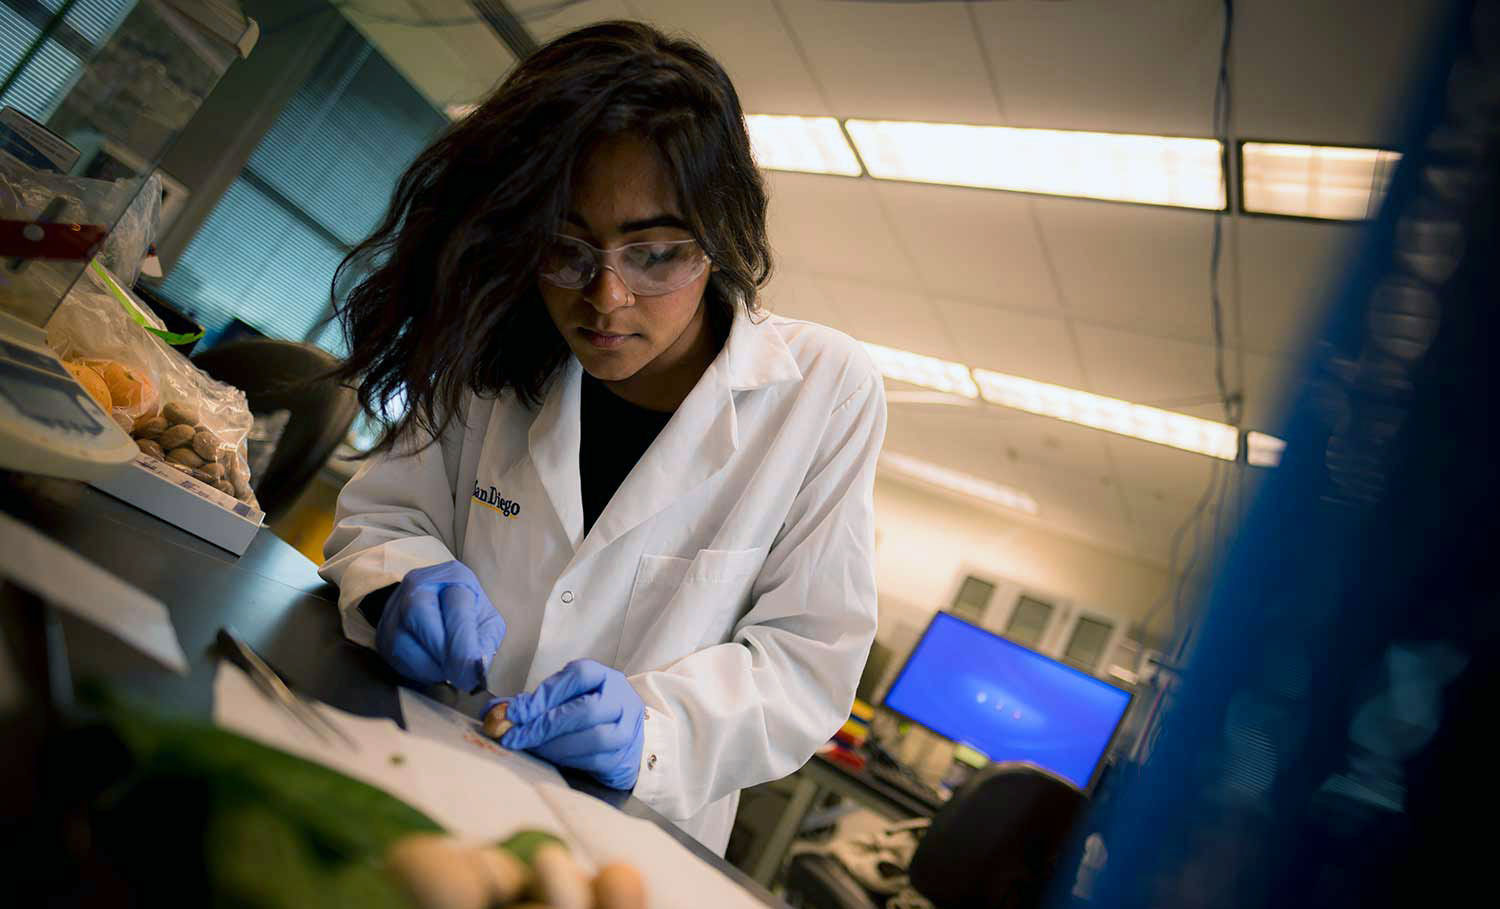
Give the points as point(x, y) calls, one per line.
point(755, 354)
point(695, 444)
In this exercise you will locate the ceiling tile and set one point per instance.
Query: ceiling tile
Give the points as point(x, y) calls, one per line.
point(833, 225)
point(1156, 524)
point(1158, 472)
point(958, 438)
point(1140, 266)
point(1018, 343)
point(1073, 66)
point(1178, 375)
point(473, 59)
point(748, 39)
point(1359, 61)
point(1076, 503)
point(895, 61)
point(1146, 370)
point(553, 19)
point(888, 316)
point(798, 296)
point(1288, 272)
point(990, 441)
point(971, 244)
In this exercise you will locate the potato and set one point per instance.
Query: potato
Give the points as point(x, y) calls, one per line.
point(182, 467)
point(122, 420)
point(438, 872)
point(206, 445)
point(176, 436)
point(93, 383)
point(150, 427)
point(151, 448)
point(559, 882)
point(214, 471)
point(225, 488)
point(128, 388)
point(495, 723)
point(239, 477)
point(185, 455)
point(178, 412)
point(507, 875)
point(619, 886)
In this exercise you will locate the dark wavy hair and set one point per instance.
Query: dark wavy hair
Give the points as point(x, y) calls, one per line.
point(441, 299)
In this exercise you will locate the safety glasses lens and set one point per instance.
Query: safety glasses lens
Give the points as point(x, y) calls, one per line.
point(647, 269)
point(568, 263)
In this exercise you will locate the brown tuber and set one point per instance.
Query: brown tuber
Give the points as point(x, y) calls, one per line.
point(619, 886)
point(184, 455)
point(440, 872)
point(175, 436)
point(558, 881)
point(495, 722)
point(151, 448)
point(180, 413)
point(149, 427)
point(437, 872)
point(206, 445)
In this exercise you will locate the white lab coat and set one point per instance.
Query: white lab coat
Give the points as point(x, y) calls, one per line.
point(731, 577)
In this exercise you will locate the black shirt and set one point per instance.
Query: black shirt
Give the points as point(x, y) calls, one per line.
point(615, 433)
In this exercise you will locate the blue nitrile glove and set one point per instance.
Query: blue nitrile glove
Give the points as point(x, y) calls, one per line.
point(438, 626)
point(586, 716)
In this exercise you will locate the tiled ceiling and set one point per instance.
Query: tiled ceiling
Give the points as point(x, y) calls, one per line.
point(1107, 297)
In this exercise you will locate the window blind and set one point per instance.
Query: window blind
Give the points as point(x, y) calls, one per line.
point(59, 61)
point(317, 183)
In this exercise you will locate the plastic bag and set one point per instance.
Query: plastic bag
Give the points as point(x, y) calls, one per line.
point(193, 421)
point(133, 205)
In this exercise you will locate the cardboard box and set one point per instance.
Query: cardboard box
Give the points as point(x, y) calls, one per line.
point(178, 499)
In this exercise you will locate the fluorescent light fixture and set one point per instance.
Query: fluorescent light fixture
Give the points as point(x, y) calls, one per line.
point(1262, 450)
point(963, 484)
point(1315, 181)
point(1139, 421)
point(459, 111)
point(1155, 170)
point(933, 398)
point(928, 372)
point(813, 145)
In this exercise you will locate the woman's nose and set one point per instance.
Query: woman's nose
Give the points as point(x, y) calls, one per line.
point(607, 293)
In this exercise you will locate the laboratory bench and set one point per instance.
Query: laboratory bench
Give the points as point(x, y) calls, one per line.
point(272, 596)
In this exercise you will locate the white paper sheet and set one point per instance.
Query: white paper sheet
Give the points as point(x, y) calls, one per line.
point(466, 794)
point(440, 723)
point(477, 791)
point(69, 581)
point(675, 878)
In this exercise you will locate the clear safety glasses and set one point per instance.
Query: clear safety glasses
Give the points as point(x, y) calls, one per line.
point(646, 269)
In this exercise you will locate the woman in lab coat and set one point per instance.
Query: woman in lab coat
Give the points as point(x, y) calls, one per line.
point(618, 493)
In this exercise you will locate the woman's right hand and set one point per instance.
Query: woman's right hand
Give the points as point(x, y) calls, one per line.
point(438, 626)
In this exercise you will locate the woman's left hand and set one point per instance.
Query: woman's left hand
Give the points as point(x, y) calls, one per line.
point(585, 716)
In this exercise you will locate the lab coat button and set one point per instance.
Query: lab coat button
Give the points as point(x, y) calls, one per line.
point(567, 596)
point(651, 762)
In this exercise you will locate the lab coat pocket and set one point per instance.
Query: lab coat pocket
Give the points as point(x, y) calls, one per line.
point(679, 606)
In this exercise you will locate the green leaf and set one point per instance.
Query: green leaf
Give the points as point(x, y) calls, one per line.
point(524, 845)
point(341, 816)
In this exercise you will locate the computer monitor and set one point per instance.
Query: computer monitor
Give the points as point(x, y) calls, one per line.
point(1014, 704)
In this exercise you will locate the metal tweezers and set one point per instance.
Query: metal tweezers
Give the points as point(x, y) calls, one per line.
point(277, 690)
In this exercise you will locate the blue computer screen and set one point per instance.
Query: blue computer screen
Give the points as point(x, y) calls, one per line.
point(1013, 704)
